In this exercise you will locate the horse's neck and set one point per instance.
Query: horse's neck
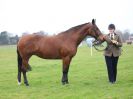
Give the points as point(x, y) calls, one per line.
point(75, 36)
point(80, 35)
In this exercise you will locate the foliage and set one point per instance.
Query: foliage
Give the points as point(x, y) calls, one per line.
point(6, 39)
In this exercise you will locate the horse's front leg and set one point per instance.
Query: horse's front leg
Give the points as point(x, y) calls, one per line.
point(66, 63)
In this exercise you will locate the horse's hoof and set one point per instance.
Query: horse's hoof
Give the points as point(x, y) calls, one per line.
point(19, 83)
point(66, 82)
point(26, 84)
point(63, 83)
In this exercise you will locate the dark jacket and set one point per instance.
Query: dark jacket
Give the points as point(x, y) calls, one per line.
point(113, 49)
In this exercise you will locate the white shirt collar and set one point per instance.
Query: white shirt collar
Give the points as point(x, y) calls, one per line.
point(112, 34)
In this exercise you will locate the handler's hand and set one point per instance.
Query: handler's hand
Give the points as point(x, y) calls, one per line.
point(114, 42)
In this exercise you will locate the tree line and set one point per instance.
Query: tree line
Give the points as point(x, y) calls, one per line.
point(7, 39)
point(125, 35)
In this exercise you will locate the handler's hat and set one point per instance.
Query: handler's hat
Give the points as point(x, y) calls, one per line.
point(111, 26)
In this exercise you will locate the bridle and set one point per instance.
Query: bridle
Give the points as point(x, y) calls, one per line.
point(98, 43)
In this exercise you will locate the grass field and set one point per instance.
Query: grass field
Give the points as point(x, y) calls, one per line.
point(87, 77)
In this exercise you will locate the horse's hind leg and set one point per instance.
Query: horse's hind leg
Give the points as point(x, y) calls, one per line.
point(19, 59)
point(19, 77)
point(25, 65)
point(25, 79)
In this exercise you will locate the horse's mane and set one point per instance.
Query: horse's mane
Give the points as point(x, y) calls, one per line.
point(75, 28)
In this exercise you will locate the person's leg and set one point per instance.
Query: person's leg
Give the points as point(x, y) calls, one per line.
point(109, 68)
point(115, 61)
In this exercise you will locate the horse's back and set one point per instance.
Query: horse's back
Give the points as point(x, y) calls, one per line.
point(43, 46)
point(28, 43)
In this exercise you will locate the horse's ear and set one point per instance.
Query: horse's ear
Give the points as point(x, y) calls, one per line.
point(93, 21)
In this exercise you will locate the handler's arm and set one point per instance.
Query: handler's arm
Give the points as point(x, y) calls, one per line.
point(107, 39)
point(119, 42)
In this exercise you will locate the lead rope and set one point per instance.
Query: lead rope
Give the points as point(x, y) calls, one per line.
point(97, 43)
point(98, 49)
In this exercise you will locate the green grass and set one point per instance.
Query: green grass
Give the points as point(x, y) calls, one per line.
point(87, 77)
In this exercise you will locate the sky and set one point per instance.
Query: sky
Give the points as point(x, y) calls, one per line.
point(55, 16)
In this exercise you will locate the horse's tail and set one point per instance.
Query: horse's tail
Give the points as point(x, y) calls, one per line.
point(19, 59)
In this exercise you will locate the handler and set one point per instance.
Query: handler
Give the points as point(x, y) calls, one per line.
point(112, 52)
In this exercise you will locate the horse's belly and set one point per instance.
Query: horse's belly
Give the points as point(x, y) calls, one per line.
point(49, 55)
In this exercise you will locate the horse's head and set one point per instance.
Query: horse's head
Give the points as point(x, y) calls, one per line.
point(95, 32)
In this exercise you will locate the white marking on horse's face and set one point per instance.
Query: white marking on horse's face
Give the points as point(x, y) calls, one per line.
point(19, 83)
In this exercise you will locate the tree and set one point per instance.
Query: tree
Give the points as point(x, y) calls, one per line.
point(41, 33)
point(4, 38)
point(126, 35)
point(25, 33)
point(119, 32)
point(14, 39)
point(131, 34)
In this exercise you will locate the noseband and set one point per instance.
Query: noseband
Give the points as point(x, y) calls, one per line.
point(97, 43)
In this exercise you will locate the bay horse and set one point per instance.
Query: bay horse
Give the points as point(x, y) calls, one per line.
point(61, 46)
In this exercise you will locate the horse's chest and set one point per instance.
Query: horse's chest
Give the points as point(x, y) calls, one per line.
point(68, 51)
